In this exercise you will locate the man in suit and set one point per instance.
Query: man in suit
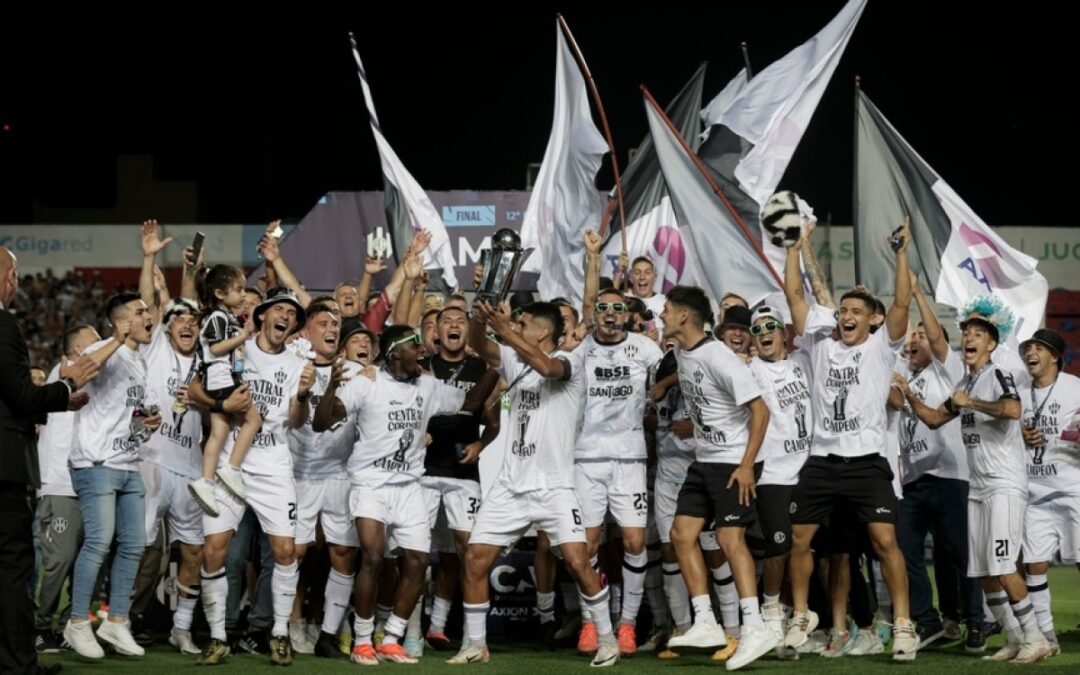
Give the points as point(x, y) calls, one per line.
point(22, 404)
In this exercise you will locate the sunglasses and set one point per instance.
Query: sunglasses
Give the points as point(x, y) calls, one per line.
point(767, 327)
point(617, 307)
point(414, 338)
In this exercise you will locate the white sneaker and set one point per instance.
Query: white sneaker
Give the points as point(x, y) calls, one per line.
point(816, 642)
point(471, 654)
point(1007, 653)
point(202, 491)
point(298, 636)
point(1033, 652)
point(702, 636)
point(232, 479)
point(81, 638)
point(607, 654)
point(773, 617)
point(181, 639)
point(867, 642)
point(905, 641)
point(119, 636)
point(801, 626)
point(753, 644)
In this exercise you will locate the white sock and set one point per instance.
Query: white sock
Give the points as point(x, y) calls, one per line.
point(185, 609)
point(215, 594)
point(703, 613)
point(772, 600)
point(634, 567)
point(998, 603)
point(336, 600)
point(751, 613)
point(881, 591)
point(362, 629)
point(394, 630)
point(728, 596)
point(545, 606)
point(678, 598)
point(413, 629)
point(1025, 615)
point(476, 623)
point(283, 590)
point(1039, 592)
point(654, 593)
point(440, 609)
point(600, 613)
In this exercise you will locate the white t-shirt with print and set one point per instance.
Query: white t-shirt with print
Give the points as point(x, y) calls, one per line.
point(54, 446)
point(176, 444)
point(1052, 470)
point(925, 451)
point(325, 454)
point(785, 386)
point(995, 447)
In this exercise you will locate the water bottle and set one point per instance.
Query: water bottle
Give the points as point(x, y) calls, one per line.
point(238, 361)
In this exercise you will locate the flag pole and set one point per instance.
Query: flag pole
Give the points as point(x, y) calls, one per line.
point(715, 188)
point(603, 122)
point(746, 60)
point(855, 185)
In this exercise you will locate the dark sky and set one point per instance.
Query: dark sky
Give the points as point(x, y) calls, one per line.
point(264, 110)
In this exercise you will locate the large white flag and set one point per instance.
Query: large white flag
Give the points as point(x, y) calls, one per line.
point(565, 201)
point(408, 208)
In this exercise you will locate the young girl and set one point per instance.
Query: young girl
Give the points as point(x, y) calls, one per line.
point(221, 347)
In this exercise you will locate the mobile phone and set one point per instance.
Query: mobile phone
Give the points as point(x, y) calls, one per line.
point(196, 247)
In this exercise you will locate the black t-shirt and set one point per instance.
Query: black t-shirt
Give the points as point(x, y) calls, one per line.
point(451, 433)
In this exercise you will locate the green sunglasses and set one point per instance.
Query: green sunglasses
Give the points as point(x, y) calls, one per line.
point(414, 338)
point(617, 307)
point(767, 327)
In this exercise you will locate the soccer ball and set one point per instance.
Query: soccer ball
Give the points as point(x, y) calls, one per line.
point(781, 219)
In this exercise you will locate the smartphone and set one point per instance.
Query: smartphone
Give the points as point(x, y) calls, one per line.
point(196, 247)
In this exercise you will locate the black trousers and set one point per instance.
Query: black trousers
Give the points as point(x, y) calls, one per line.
point(17, 654)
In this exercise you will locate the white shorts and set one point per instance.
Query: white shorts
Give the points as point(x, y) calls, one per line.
point(1050, 527)
point(995, 532)
point(618, 486)
point(506, 516)
point(325, 500)
point(460, 497)
point(273, 498)
point(167, 497)
point(400, 507)
point(665, 499)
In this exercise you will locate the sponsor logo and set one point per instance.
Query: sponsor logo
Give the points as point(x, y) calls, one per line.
point(279, 376)
point(882, 509)
point(730, 518)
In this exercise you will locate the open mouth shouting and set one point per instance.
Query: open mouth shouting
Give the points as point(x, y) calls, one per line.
point(280, 329)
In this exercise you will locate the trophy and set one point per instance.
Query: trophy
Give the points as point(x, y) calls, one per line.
point(500, 264)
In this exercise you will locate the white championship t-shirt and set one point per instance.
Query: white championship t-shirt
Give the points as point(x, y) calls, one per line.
point(617, 377)
point(1052, 470)
point(925, 451)
point(176, 444)
point(54, 446)
point(391, 418)
point(995, 447)
point(325, 454)
point(785, 386)
point(716, 386)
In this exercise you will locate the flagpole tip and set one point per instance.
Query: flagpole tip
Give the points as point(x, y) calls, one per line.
point(858, 81)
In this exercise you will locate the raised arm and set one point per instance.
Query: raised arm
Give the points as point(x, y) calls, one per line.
point(939, 346)
point(152, 244)
point(188, 287)
point(896, 321)
point(484, 347)
point(819, 283)
point(412, 268)
point(793, 287)
point(593, 262)
point(372, 266)
point(268, 246)
point(534, 357)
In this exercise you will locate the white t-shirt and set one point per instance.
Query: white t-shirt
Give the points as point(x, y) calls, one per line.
point(716, 385)
point(925, 451)
point(176, 444)
point(54, 446)
point(1052, 470)
point(785, 386)
point(391, 418)
point(995, 447)
point(103, 426)
point(218, 325)
point(273, 380)
point(850, 388)
point(542, 423)
point(323, 455)
point(617, 377)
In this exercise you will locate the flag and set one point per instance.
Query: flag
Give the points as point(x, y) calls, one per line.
point(565, 201)
point(753, 137)
point(953, 252)
point(723, 256)
point(408, 208)
point(651, 228)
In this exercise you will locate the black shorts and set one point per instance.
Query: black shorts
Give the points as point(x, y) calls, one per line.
point(774, 514)
point(863, 484)
point(704, 494)
point(842, 533)
point(222, 394)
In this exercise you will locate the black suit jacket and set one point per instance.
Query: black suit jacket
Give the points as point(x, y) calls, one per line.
point(21, 403)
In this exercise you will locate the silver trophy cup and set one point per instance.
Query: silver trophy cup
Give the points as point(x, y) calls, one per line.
point(501, 264)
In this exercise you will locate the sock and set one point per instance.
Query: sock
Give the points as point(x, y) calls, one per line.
point(1025, 614)
point(615, 601)
point(394, 630)
point(600, 613)
point(881, 591)
point(654, 593)
point(751, 613)
point(998, 604)
point(362, 629)
point(185, 607)
point(703, 613)
point(728, 597)
point(336, 600)
point(772, 600)
point(215, 594)
point(439, 611)
point(476, 624)
point(1039, 592)
point(678, 598)
point(283, 589)
point(570, 598)
point(633, 585)
point(545, 606)
point(413, 629)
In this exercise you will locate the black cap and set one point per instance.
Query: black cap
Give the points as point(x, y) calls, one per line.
point(275, 296)
point(1050, 339)
point(353, 325)
point(737, 316)
point(983, 321)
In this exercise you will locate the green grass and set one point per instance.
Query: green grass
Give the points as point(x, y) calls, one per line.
point(1064, 584)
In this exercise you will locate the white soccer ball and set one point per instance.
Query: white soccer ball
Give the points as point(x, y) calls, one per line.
point(782, 220)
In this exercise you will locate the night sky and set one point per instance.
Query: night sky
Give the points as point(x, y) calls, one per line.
point(265, 112)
